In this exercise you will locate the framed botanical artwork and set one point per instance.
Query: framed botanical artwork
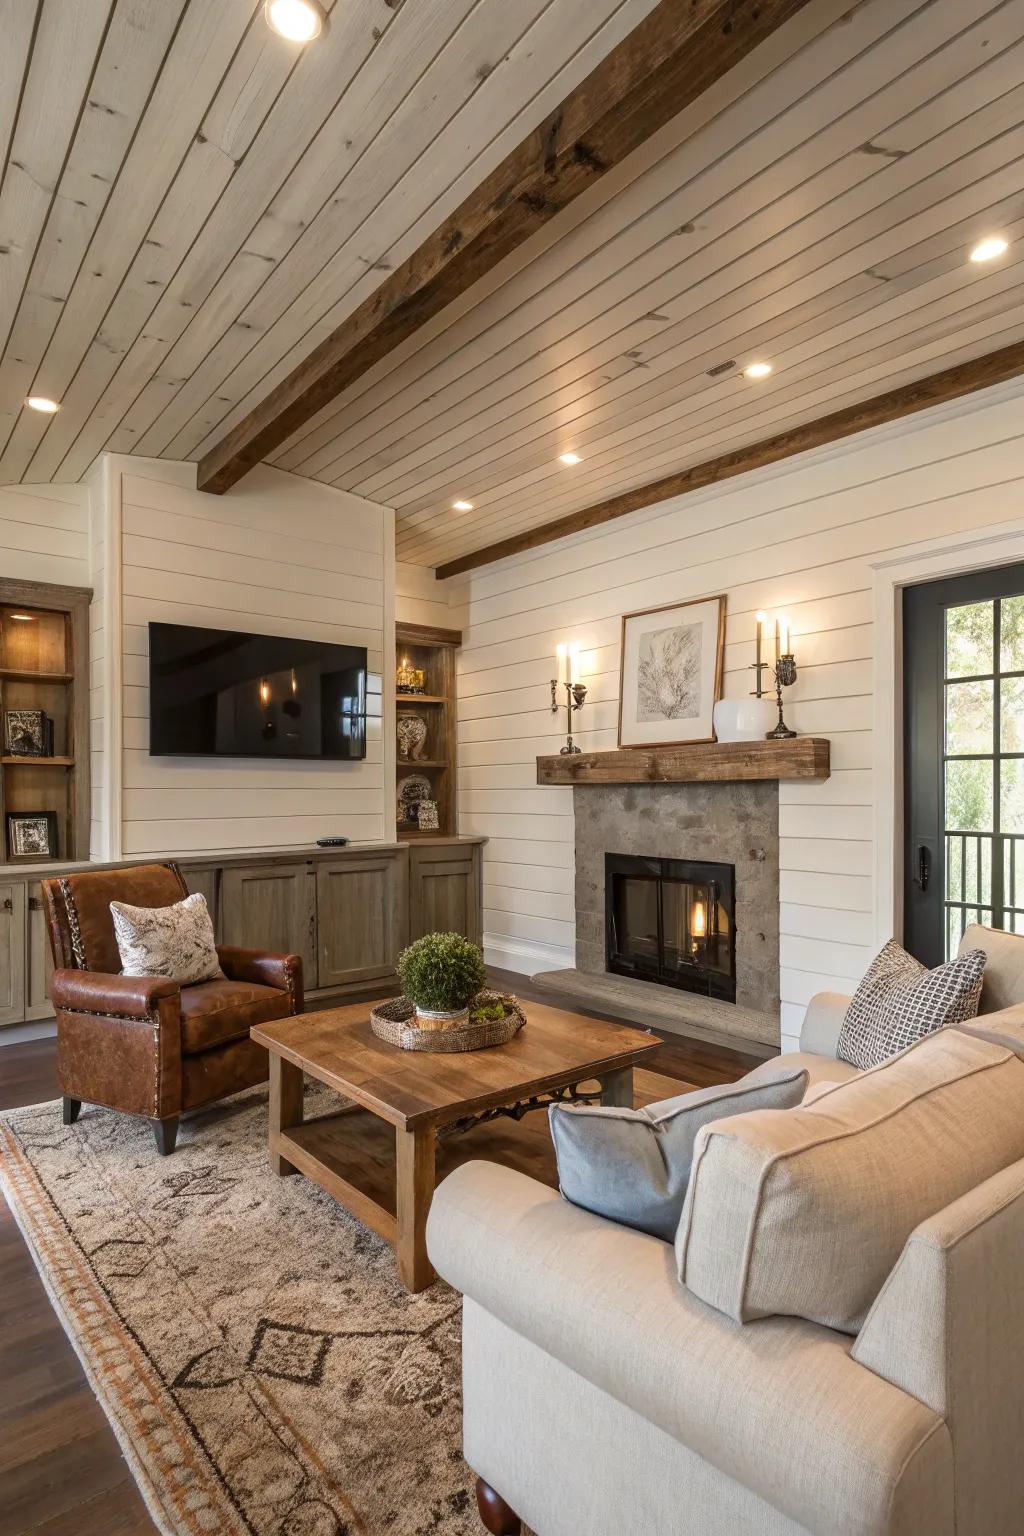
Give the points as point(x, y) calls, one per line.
point(670, 673)
point(32, 835)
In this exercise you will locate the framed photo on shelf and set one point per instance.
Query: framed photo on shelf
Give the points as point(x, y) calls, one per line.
point(31, 835)
point(26, 733)
point(670, 673)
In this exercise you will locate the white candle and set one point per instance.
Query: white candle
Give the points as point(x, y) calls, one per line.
point(561, 651)
point(784, 622)
point(760, 617)
point(574, 663)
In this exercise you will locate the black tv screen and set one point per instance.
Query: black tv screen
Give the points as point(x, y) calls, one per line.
point(222, 693)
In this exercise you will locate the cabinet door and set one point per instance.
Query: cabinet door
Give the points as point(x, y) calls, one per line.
point(12, 953)
point(38, 960)
point(360, 919)
point(204, 882)
point(272, 907)
point(444, 891)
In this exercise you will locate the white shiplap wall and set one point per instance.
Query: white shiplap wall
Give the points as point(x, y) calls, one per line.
point(802, 538)
point(279, 555)
point(420, 598)
point(44, 533)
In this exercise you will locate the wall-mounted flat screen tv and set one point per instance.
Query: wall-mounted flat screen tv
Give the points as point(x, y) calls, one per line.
point(222, 693)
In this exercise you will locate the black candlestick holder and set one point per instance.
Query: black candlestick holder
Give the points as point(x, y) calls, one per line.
point(785, 677)
point(575, 698)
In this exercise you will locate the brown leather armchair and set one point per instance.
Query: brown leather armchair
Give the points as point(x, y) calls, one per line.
point(142, 1044)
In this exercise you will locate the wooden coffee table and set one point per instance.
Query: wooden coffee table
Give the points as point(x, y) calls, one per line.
point(427, 1096)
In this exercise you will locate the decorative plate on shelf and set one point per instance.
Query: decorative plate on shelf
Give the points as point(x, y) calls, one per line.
point(412, 734)
point(411, 790)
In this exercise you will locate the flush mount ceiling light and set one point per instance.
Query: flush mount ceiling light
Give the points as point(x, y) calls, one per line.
point(569, 458)
point(989, 248)
point(300, 21)
point(40, 403)
point(23, 618)
point(462, 506)
point(757, 371)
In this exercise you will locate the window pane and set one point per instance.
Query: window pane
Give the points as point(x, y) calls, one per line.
point(1012, 634)
point(1013, 871)
point(968, 867)
point(1011, 808)
point(969, 640)
point(1011, 724)
point(969, 717)
point(960, 918)
point(969, 798)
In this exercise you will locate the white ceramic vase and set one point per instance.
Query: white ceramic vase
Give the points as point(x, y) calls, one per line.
point(748, 719)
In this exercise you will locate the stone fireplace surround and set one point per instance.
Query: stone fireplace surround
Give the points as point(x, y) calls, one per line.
point(730, 823)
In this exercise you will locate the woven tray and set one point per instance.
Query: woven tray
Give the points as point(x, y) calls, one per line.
point(393, 1021)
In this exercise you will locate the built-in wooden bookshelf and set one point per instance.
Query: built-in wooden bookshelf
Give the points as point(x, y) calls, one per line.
point(44, 667)
point(431, 651)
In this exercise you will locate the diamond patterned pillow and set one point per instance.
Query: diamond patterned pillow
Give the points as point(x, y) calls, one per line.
point(900, 1001)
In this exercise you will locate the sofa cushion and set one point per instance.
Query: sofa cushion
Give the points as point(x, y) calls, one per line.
point(819, 1069)
point(633, 1165)
point(1003, 982)
point(899, 1001)
point(804, 1212)
point(213, 1012)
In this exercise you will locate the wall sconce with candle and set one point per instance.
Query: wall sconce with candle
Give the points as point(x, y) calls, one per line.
point(567, 660)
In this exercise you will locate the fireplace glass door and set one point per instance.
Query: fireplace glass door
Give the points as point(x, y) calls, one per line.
point(671, 921)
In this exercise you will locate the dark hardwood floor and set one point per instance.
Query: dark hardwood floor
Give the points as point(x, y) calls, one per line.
point(61, 1470)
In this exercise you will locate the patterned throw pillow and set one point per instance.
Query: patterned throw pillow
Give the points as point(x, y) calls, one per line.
point(172, 941)
point(900, 1001)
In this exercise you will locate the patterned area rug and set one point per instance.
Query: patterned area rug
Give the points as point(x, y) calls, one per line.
point(261, 1365)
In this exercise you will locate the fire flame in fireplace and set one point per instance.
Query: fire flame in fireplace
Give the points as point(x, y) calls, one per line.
point(698, 919)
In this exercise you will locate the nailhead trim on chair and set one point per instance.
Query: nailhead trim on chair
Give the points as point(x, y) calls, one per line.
point(77, 947)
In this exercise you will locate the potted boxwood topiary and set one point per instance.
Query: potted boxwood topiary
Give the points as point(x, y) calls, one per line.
point(441, 974)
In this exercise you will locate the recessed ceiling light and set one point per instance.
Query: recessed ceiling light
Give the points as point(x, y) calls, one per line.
point(757, 370)
point(462, 506)
point(989, 248)
point(297, 20)
point(569, 458)
point(40, 403)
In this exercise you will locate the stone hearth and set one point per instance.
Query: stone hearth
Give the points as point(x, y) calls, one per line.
point(730, 823)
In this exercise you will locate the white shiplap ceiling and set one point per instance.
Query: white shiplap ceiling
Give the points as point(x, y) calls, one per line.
point(189, 206)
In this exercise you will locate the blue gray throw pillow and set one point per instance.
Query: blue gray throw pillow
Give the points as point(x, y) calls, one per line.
point(633, 1165)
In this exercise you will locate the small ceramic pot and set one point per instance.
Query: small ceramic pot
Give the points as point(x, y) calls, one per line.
point(748, 719)
point(426, 1018)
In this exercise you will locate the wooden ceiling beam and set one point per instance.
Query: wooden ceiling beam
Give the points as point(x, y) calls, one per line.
point(949, 384)
point(676, 53)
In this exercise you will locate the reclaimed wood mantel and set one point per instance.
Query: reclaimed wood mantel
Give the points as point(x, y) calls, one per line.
point(805, 757)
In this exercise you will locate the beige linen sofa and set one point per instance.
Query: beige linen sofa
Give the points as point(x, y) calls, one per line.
point(603, 1398)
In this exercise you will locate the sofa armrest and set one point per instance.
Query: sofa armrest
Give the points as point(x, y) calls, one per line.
point(778, 1405)
point(119, 1040)
point(264, 969)
point(823, 1022)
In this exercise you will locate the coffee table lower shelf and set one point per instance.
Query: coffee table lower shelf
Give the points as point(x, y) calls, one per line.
point(385, 1174)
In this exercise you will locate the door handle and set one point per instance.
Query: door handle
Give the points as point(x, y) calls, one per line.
point(924, 867)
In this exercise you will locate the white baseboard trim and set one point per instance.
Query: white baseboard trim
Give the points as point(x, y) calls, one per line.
point(17, 1034)
point(509, 954)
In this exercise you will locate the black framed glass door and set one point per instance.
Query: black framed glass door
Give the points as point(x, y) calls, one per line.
point(963, 648)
